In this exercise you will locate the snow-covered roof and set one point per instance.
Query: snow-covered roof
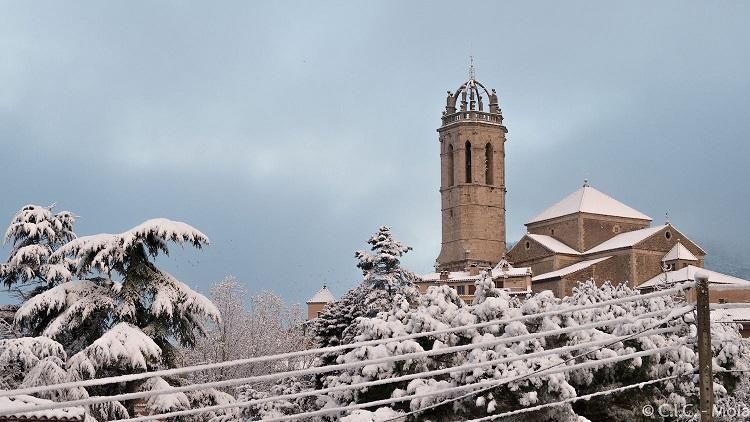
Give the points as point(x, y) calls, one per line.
point(323, 296)
point(731, 314)
point(625, 240)
point(466, 276)
point(589, 200)
point(679, 251)
point(688, 274)
point(570, 269)
point(76, 413)
point(553, 244)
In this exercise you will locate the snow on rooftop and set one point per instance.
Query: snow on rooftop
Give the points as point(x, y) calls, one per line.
point(625, 240)
point(589, 200)
point(553, 244)
point(679, 251)
point(731, 314)
point(466, 276)
point(76, 413)
point(570, 269)
point(688, 274)
point(323, 296)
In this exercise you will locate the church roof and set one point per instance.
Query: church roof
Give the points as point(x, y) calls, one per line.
point(323, 296)
point(625, 240)
point(589, 200)
point(679, 251)
point(570, 269)
point(553, 244)
point(466, 275)
point(688, 274)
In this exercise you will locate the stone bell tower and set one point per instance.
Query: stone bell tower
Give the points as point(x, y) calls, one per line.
point(472, 188)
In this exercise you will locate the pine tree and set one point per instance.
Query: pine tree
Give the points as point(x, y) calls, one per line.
point(383, 280)
point(115, 312)
point(36, 232)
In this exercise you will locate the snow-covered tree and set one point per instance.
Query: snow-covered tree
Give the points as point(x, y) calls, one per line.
point(440, 307)
point(251, 326)
point(114, 311)
point(35, 233)
point(383, 280)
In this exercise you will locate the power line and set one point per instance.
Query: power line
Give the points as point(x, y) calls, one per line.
point(461, 368)
point(673, 315)
point(575, 399)
point(292, 355)
point(322, 369)
point(337, 410)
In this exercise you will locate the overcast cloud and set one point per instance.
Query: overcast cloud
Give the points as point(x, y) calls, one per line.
point(288, 132)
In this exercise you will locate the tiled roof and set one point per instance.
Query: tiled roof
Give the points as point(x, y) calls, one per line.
point(553, 244)
point(589, 200)
point(570, 269)
point(76, 413)
point(625, 240)
point(322, 296)
point(688, 274)
point(466, 276)
point(679, 251)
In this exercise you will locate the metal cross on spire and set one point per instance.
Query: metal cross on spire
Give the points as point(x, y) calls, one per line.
point(472, 70)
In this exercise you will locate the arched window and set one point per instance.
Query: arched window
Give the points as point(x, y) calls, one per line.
point(468, 162)
point(489, 176)
point(450, 165)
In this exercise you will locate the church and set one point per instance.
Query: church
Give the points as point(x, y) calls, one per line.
point(587, 235)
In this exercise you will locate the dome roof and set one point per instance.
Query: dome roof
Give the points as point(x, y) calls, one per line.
point(472, 96)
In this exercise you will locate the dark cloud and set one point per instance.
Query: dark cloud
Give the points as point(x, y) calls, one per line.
point(289, 131)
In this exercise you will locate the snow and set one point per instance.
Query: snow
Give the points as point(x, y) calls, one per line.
point(30, 402)
point(679, 251)
point(732, 314)
point(174, 297)
point(380, 415)
point(626, 240)
point(552, 244)
point(466, 276)
point(163, 403)
point(71, 303)
point(28, 351)
point(570, 269)
point(322, 296)
point(124, 344)
point(589, 200)
point(103, 251)
point(687, 274)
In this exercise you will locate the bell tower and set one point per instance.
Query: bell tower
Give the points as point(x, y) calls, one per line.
point(472, 188)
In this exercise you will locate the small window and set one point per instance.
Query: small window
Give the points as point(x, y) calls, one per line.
point(489, 177)
point(527, 245)
point(552, 232)
point(472, 289)
point(319, 314)
point(450, 168)
point(668, 234)
point(722, 301)
point(468, 162)
point(616, 228)
point(460, 290)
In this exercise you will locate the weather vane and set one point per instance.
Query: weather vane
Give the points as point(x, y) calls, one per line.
point(472, 71)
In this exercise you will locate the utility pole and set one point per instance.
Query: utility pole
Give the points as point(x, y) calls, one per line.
point(705, 354)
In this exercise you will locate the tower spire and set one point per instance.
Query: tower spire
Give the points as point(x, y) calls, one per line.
point(472, 70)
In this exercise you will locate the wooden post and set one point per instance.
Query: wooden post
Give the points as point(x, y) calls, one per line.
point(705, 354)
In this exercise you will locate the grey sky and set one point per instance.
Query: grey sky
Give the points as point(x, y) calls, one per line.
point(288, 132)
